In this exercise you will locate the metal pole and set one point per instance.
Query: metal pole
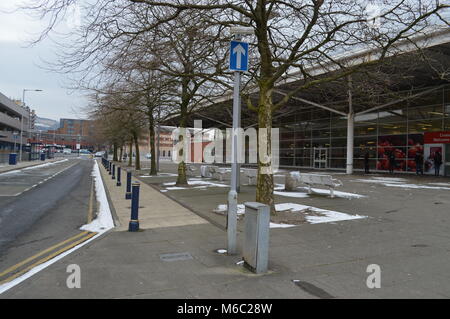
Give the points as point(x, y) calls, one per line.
point(21, 134)
point(350, 129)
point(232, 195)
point(119, 176)
point(133, 226)
point(128, 194)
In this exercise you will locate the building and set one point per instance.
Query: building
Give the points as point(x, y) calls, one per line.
point(333, 126)
point(11, 114)
point(75, 127)
point(70, 134)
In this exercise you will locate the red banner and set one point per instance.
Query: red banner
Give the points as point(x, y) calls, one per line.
point(437, 137)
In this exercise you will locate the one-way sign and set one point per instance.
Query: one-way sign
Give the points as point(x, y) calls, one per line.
point(238, 56)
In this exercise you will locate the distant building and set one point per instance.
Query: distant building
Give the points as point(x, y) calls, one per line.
point(70, 133)
point(11, 114)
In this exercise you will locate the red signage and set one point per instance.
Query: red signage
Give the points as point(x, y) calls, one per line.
point(437, 137)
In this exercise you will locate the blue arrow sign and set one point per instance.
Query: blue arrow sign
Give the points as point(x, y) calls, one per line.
point(238, 56)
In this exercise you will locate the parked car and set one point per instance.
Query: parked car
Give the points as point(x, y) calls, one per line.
point(67, 151)
point(100, 154)
point(148, 156)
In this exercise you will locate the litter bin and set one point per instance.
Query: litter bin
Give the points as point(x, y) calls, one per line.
point(12, 159)
point(42, 156)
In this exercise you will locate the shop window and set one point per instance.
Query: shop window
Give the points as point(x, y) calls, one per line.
point(286, 161)
point(303, 161)
point(301, 135)
point(338, 142)
point(337, 163)
point(392, 128)
point(426, 112)
point(321, 133)
point(425, 126)
point(338, 152)
point(339, 132)
point(303, 152)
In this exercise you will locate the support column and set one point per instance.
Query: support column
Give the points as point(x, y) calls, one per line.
point(350, 129)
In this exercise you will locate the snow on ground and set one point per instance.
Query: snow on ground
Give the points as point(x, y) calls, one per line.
point(104, 221)
point(403, 183)
point(194, 182)
point(313, 215)
point(159, 175)
point(279, 190)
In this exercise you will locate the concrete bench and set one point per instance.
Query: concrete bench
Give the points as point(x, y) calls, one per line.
point(207, 170)
point(292, 181)
point(220, 173)
point(191, 170)
point(252, 175)
point(321, 180)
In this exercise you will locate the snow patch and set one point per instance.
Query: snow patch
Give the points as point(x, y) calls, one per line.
point(104, 221)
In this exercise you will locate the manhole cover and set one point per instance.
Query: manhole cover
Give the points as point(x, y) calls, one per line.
point(175, 257)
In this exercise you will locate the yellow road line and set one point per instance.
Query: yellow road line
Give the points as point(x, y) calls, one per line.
point(26, 261)
point(43, 260)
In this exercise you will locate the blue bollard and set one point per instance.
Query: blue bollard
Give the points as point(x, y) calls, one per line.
point(128, 191)
point(114, 171)
point(110, 168)
point(134, 222)
point(119, 177)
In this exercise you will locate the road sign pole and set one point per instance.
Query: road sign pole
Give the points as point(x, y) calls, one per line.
point(232, 195)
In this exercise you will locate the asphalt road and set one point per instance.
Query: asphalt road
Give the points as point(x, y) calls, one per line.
point(42, 207)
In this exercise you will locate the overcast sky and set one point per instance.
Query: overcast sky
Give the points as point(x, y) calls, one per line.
point(20, 67)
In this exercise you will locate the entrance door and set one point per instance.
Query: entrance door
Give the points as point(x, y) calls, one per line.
point(446, 160)
point(320, 157)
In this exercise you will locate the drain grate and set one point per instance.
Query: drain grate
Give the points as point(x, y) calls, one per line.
point(175, 257)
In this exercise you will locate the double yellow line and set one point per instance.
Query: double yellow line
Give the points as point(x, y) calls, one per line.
point(26, 265)
point(16, 271)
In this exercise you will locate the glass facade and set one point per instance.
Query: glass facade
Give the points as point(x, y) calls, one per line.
point(315, 135)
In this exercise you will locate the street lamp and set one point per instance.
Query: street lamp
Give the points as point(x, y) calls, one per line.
point(21, 119)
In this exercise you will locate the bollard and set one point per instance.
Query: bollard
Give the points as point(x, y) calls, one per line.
point(128, 191)
point(110, 168)
point(114, 171)
point(256, 237)
point(134, 222)
point(119, 177)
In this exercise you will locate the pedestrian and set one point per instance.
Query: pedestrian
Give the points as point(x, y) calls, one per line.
point(391, 162)
point(366, 162)
point(437, 163)
point(419, 163)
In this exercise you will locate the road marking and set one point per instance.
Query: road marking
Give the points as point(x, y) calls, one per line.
point(41, 182)
point(12, 268)
point(45, 259)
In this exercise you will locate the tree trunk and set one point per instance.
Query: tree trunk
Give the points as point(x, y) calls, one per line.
point(182, 177)
point(120, 153)
point(130, 154)
point(115, 152)
point(153, 151)
point(138, 157)
point(264, 187)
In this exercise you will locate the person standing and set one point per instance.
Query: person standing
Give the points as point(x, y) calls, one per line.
point(437, 163)
point(419, 163)
point(391, 162)
point(366, 162)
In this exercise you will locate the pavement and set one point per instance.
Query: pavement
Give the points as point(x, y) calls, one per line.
point(406, 233)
